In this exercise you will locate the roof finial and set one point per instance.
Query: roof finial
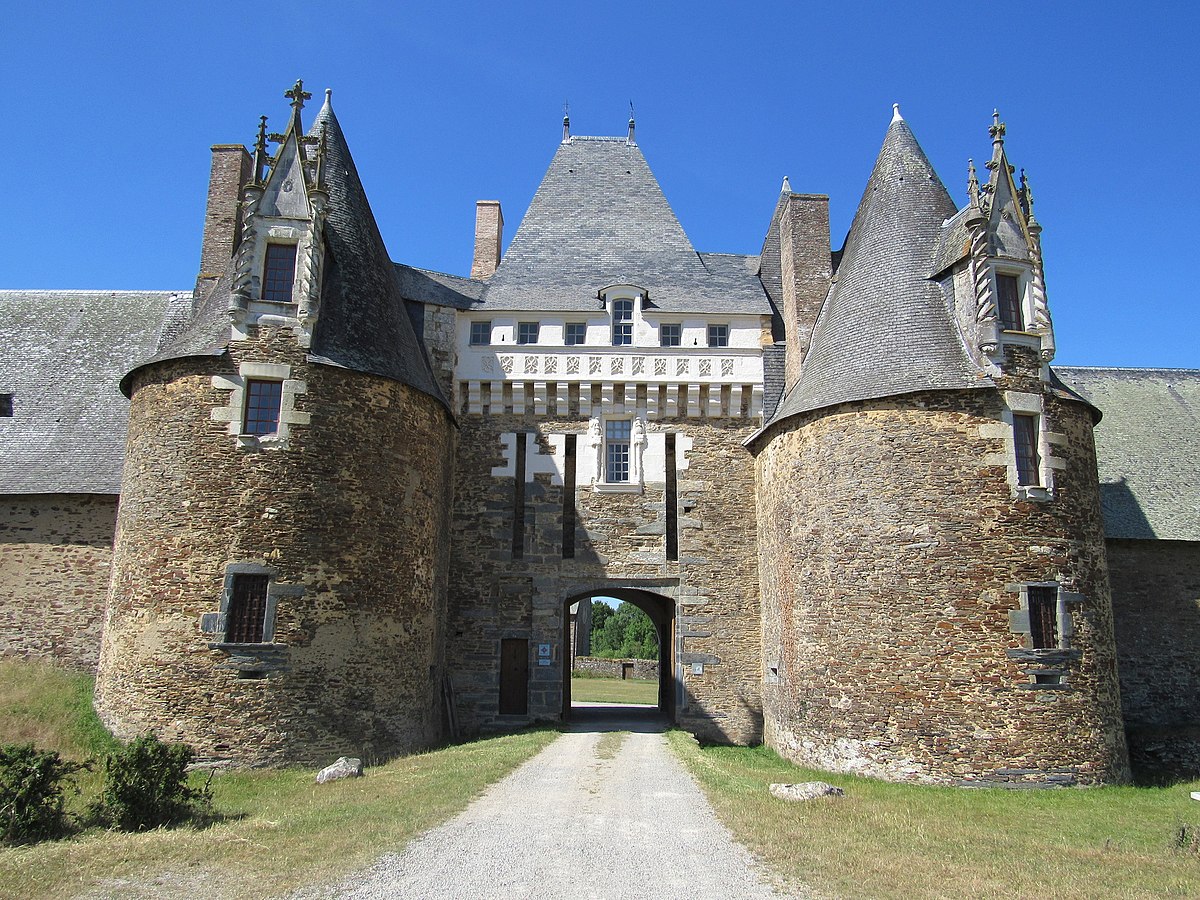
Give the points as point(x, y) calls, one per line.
point(997, 130)
point(566, 121)
point(328, 96)
point(1027, 202)
point(298, 95)
point(787, 186)
point(631, 121)
point(972, 182)
point(896, 117)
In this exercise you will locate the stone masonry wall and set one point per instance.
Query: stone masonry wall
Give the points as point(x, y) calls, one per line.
point(613, 668)
point(1156, 613)
point(893, 551)
point(711, 591)
point(349, 519)
point(439, 338)
point(55, 551)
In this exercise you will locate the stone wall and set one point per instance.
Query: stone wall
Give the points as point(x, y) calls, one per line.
point(55, 551)
point(891, 630)
point(1156, 611)
point(349, 520)
point(439, 337)
point(617, 668)
point(706, 600)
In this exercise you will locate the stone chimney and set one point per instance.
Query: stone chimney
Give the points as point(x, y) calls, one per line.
point(231, 170)
point(806, 265)
point(489, 229)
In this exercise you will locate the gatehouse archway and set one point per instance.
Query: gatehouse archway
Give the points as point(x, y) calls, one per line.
point(661, 611)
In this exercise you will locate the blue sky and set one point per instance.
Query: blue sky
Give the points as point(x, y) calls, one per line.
point(111, 109)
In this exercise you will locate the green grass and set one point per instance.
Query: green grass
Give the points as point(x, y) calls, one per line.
point(904, 841)
point(594, 689)
point(279, 830)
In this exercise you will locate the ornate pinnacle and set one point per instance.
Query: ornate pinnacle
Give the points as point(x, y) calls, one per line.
point(260, 150)
point(997, 130)
point(972, 182)
point(1027, 201)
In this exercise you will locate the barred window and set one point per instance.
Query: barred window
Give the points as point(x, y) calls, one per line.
point(617, 433)
point(263, 399)
point(279, 274)
point(246, 614)
point(622, 318)
point(576, 333)
point(718, 335)
point(1025, 442)
point(1009, 289)
point(1043, 616)
point(670, 335)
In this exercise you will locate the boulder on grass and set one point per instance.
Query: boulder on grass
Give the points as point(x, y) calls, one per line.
point(346, 767)
point(807, 790)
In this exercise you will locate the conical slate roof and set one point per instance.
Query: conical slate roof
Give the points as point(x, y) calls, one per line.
point(886, 327)
point(362, 324)
point(600, 218)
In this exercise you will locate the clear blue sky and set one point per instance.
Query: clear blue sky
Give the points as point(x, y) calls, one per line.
point(111, 109)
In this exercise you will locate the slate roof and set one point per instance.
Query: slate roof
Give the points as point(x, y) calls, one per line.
point(362, 323)
point(886, 328)
point(438, 288)
point(61, 357)
point(600, 218)
point(1146, 449)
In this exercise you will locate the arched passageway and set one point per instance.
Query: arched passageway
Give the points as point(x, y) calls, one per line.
point(661, 611)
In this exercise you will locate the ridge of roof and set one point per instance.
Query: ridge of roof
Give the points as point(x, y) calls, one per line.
point(886, 329)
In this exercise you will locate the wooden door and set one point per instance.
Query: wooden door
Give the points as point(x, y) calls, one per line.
point(514, 677)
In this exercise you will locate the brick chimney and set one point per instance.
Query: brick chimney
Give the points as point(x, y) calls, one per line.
point(222, 220)
point(806, 265)
point(489, 228)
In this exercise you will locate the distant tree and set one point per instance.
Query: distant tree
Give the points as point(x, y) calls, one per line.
point(623, 633)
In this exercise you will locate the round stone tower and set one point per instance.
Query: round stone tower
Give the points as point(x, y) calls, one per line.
point(935, 598)
point(279, 573)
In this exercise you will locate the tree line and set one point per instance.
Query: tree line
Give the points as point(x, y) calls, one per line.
point(622, 633)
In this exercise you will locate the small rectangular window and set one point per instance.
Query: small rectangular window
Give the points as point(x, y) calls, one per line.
point(6, 406)
point(576, 333)
point(718, 335)
point(481, 334)
point(527, 332)
point(246, 614)
point(1043, 617)
point(617, 433)
point(263, 399)
point(1008, 288)
point(622, 317)
point(279, 274)
point(670, 335)
point(1025, 442)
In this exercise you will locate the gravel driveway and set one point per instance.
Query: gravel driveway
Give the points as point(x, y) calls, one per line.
point(584, 818)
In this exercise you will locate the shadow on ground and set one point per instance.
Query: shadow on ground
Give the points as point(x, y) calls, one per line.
point(643, 720)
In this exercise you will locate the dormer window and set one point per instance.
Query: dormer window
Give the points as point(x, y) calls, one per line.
point(279, 273)
point(1008, 289)
point(622, 323)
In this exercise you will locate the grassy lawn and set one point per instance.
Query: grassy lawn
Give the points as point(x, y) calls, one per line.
point(280, 830)
point(904, 841)
point(594, 689)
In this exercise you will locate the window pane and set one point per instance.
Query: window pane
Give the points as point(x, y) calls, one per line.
point(622, 335)
point(670, 335)
point(279, 273)
point(262, 407)
point(527, 332)
point(616, 449)
point(718, 335)
point(1043, 617)
point(576, 333)
point(1025, 442)
point(247, 609)
point(1010, 303)
point(481, 333)
point(623, 311)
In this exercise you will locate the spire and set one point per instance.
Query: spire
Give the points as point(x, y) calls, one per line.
point(566, 121)
point(996, 130)
point(260, 152)
point(630, 138)
point(975, 215)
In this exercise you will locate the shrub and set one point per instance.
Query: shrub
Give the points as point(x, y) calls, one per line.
point(145, 786)
point(31, 793)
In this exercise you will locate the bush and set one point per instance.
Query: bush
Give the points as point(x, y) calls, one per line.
point(31, 793)
point(145, 786)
